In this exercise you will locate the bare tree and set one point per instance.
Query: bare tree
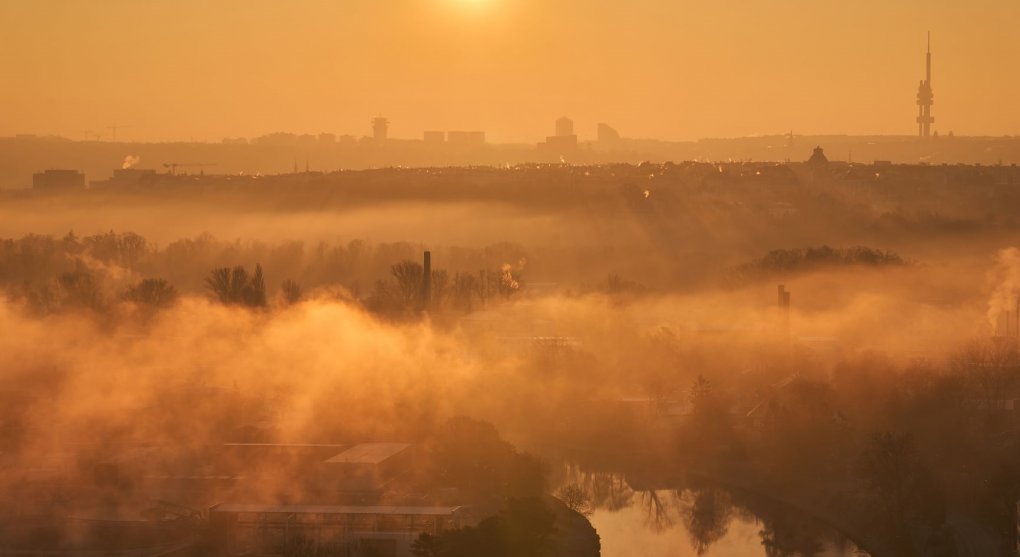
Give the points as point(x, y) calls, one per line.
point(409, 276)
point(576, 498)
point(152, 292)
point(80, 289)
point(291, 291)
point(440, 288)
point(466, 287)
point(236, 287)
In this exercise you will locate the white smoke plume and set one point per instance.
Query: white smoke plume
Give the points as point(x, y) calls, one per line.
point(1006, 276)
point(508, 277)
point(130, 161)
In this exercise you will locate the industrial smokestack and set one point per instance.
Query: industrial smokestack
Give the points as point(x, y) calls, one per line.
point(426, 283)
point(784, 308)
point(784, 299)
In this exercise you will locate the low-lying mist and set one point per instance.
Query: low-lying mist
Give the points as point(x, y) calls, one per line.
point(328, 369)
point(630, 330)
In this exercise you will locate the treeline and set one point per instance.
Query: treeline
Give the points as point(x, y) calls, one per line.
point(99, 271)
point(788, 262)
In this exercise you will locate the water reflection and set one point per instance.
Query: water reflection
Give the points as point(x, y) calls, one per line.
point(707, 515)
point(603, 490)
point(695, 519)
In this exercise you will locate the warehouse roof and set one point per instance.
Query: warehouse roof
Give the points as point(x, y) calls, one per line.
point(333, 509)
point(369, 453)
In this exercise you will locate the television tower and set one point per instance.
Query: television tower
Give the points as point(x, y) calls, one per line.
point(925, 98)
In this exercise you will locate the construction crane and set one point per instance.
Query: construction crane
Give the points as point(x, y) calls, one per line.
point(173, 166)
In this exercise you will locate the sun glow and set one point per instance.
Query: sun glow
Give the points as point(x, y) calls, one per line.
point(473, 4)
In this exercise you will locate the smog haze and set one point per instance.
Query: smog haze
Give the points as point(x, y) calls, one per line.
point(673, 70)
point(509, 278)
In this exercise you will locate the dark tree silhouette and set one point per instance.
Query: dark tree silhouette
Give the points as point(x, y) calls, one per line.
point(783, 535)
point(470, 455)
point(236, 287)
point(524, 528)
point(291, 291)
point(466, 288)
point(80, 289)
point(409, 276)
point(659, 513)
point(152, 292)
point(426, 545)
point(707, 518)
point(576, 499)
point(710, 422)
point(440, 288)
point(902, 492)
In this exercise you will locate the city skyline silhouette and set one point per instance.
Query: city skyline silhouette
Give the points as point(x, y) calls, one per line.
point(145, 72)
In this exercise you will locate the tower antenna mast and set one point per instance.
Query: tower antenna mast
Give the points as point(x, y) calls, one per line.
point(925, 97)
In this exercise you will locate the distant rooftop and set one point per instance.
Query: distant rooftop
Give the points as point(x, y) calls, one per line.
point(333, 509)
point(286, 445)
point(369, 453)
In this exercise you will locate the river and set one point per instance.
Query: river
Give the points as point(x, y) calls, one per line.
point(698, 521)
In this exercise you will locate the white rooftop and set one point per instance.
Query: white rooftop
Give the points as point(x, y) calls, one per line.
point(369, 453)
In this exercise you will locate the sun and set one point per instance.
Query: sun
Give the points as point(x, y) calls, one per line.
point(474, 4)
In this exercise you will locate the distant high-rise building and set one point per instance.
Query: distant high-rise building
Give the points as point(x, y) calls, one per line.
point(563, 144)
point(58, 179)
point(327, 139)
point(433, 137)
point(380, 128)
point(564, 127)
point(607, 134)
point(925, 98)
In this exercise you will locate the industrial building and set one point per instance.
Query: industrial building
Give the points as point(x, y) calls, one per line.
point(367, 467)
point(128, 177)
point(326, 529)
point(58, 180)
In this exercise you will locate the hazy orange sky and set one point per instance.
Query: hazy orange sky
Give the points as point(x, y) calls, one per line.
point(669, 69)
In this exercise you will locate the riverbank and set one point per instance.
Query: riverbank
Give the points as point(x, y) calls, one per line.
point(575, 535)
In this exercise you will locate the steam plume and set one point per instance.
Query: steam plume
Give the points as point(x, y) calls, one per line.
point(1007, 277)
point(130, 161)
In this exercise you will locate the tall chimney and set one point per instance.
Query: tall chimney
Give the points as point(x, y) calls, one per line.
point(784, 307)
point(426, 283)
